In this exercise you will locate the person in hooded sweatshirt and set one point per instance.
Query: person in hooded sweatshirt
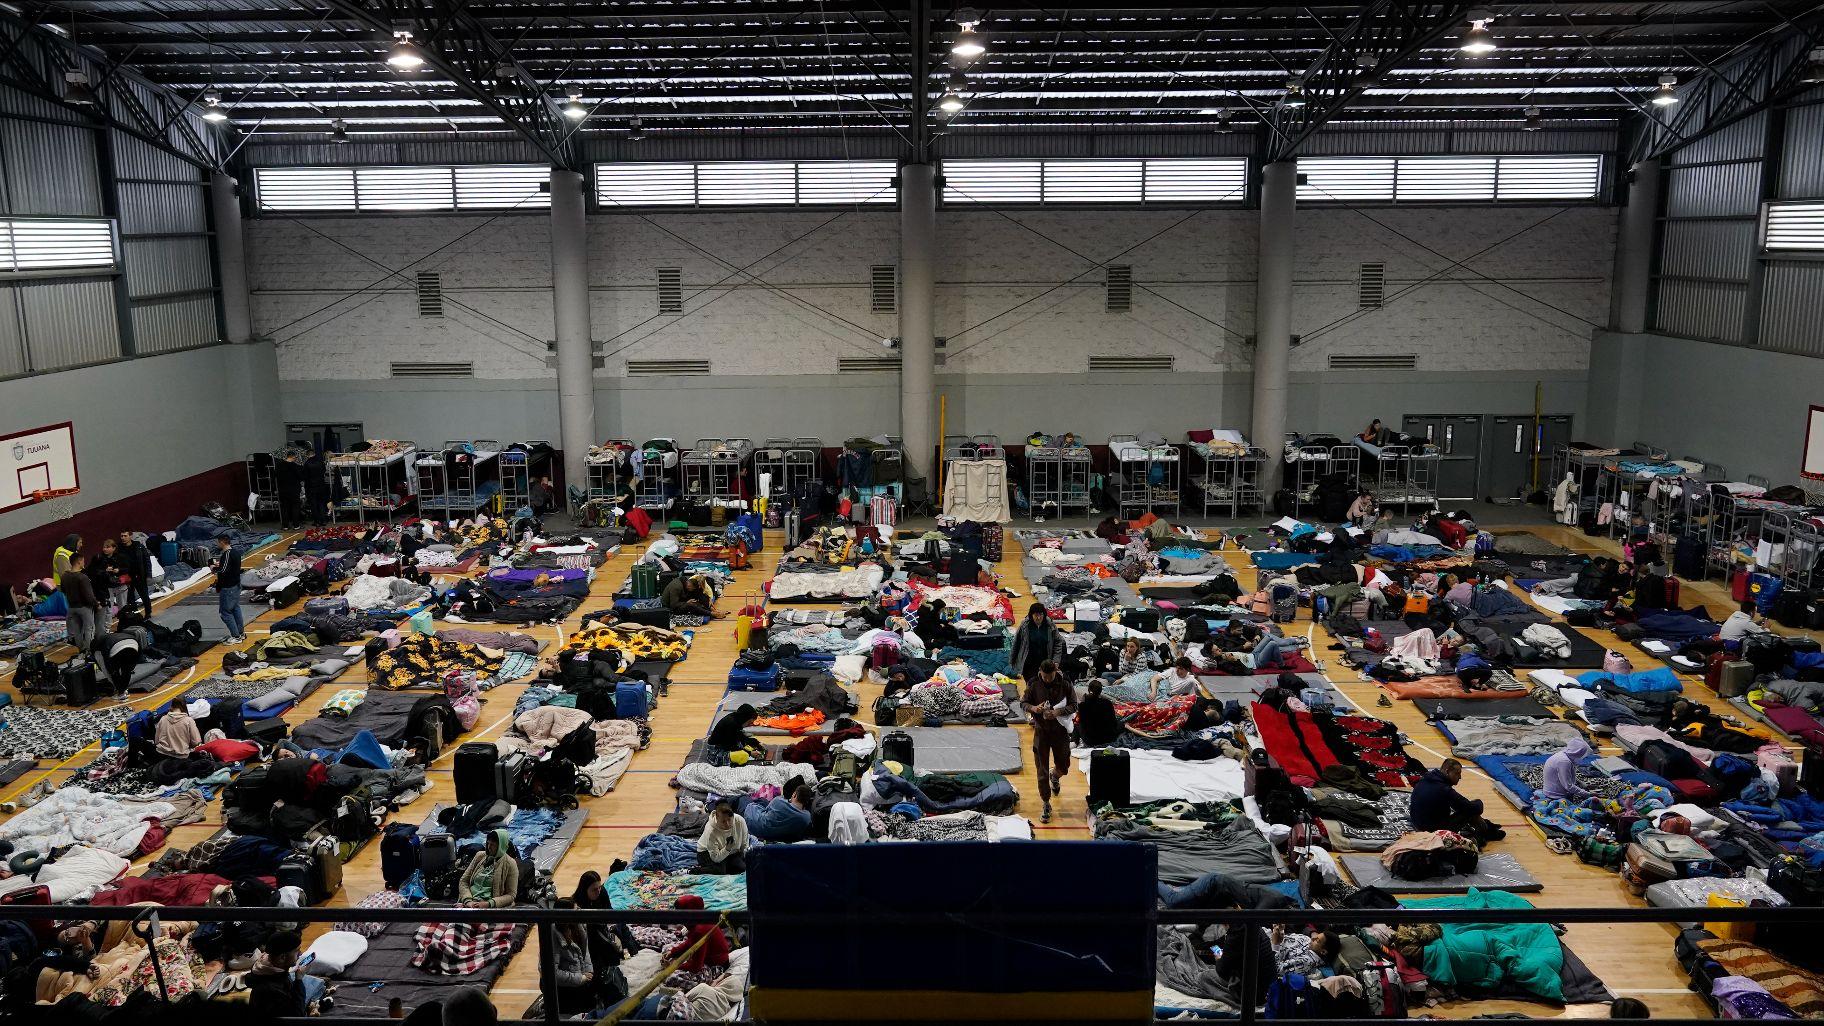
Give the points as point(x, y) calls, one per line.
point(1561, 772)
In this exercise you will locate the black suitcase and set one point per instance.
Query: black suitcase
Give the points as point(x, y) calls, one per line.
point(1688, 558)
point(885, 711)
point(1109, 776)
point(475, 768)
point(509, 772)
point(896, 746)
point(436, 854)
point(78, 681)
point(654, 617)
point(266, 733)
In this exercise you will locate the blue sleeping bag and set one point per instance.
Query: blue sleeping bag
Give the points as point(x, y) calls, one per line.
point(1677, 628)
point(891, 785)
point(1280, 560)
point(1659, 680)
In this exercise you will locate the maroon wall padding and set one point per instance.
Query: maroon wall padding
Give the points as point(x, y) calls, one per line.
point(27, 556)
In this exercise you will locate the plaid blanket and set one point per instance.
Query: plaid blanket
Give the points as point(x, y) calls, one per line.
point(460, 949)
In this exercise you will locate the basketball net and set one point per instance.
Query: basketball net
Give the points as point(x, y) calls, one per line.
point(59, 501)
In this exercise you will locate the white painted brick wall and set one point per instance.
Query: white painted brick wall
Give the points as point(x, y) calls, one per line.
point(1017, 293)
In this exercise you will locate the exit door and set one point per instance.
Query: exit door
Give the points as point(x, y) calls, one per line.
point(1458, 437)
point(326, 437)
point(1512, 443)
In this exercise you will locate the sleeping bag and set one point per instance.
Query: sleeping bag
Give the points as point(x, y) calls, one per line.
point(1485, 957)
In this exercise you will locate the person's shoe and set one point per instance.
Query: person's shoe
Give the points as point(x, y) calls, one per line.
point(1057, 786)
point(1045, 814)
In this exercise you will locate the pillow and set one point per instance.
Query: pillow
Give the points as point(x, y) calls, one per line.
point(1199, 436)
point(335, 951)
point(328, 667)
point(229, 750)
point(275, 697)
point(344, 702)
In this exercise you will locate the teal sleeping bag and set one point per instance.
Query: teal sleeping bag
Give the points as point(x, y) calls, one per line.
point(1481, 957)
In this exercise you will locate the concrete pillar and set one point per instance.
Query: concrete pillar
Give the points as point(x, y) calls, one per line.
point(575, 349)
point(231, 260)
point(1273, 315)
point(917, 330)
point(1634, 250)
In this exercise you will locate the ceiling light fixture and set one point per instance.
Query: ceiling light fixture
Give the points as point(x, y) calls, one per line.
point(1478, 41)
point(404, 55)
point(634, 132)
point(77, 91)
point(1814, 68)
point(951, 101)
point(1367, 74)
point(574, 109)
point(338, 131)
point(212, 107)
point(1534, 120)
point(969, 43)
point(1664, 95)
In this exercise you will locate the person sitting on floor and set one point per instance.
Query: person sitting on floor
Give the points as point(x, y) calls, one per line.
point(574, 970)
point(1473, 670)
point(1178, 681)
point(730, 732)
point(689, 596)
point(1097, 724)
point(1438, 805)
point(932, 628)
point(784, 820)
point(712, 953)
point(1136, 656)
point(1742, 623)
point(492, 878)
point(1561, 772)
point(722, 847)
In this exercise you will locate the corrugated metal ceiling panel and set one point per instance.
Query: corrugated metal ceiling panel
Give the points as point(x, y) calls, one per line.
point(70, 323)
point(50, 169)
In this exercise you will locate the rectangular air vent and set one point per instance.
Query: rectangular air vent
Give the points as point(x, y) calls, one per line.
point(433, 370)
point(1130, 363)
point(883, 289)
point(671, 290)
point(1373, 361)
point(866, 364)
point(1118, 285)
point(430, 294)
point(659, 368)
point(1371, 287)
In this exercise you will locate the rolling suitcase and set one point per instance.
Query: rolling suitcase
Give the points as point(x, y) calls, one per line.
point(1734, 678)
point(508, 772)
point(1655, 857)
point(896, 746)
point(794, 529)
point(1110, 776)
point(629, 700)
point(78, 681)
point(883, 510)
point(645, 581)
point(476, 763)
point(436, 854)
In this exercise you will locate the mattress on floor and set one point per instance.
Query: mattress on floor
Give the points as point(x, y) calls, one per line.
point(388, 961)
point(548, 854)
point(1247, 689)
point(965, 749)
point(1507, 705)
point(1499, 871)
point(736, 699)
point(202, 607)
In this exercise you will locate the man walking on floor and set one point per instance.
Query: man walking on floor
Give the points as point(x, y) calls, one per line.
point(228, 589)
point(1051, 701)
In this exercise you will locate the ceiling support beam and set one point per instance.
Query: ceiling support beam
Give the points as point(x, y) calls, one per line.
point(1762, 78)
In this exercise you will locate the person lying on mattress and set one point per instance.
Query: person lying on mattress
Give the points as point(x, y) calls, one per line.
point(785, 819)
point(1176, 682)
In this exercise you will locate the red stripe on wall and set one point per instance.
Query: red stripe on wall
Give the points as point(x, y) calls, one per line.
point(28, 555)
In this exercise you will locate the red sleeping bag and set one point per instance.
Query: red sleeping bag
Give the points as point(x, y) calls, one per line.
point(1294, 743)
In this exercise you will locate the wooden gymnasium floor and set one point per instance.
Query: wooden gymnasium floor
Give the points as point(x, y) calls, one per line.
point(1635, 960)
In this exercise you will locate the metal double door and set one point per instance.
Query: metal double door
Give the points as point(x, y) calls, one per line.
point(1458, 437)
point(1513, 442)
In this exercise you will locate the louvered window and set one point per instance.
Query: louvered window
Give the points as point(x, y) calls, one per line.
point(658, 368)
point(1373, 361)
point(430, 294)
point(403, 188)
point(1795, 226)
point(1131, 363)
point(1454, 179)
point(1094, 182)
point(52, 245)
point(433, 370)
point(1371, 286)
point(752, 183)
point(866, 364)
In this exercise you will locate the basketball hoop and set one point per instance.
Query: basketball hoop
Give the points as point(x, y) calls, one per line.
point(59, 501)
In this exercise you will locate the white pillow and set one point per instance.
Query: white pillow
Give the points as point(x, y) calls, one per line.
point(335, 951)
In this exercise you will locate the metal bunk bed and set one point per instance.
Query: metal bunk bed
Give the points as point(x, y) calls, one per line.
point(519, 467)
point(1626, 489)
point(1305, 466)
point(607, 465)
point(1134, 464)
point(1057, 479)
point(657, 483)
point(456, 479)
point(695, 468)
point(1230, 482)
point(788, 463)
point(263, 483)
point(368, 481)
point(1405, 476)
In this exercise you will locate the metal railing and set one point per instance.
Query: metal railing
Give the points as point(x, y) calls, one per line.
point(544, 920)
